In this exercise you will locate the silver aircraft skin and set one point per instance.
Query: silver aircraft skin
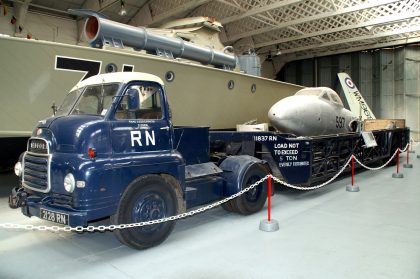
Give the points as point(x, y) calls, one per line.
point(312, 111)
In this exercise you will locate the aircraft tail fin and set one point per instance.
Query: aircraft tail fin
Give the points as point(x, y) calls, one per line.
point(355, 100)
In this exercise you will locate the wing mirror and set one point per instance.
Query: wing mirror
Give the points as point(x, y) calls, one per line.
point(133, 99)
point(54, 108)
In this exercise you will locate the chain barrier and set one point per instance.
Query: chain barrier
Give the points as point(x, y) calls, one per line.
point(318, 186)
point(414, 143)
point(132, 225)
point(377, 168)
point(405, 149)
point(189, 213)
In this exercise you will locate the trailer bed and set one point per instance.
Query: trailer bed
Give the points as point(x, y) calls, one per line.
point(306, 160)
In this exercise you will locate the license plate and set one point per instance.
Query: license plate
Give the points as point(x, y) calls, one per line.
point(55, 217)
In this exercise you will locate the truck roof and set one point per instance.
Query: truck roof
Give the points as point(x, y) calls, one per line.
point(123, 77)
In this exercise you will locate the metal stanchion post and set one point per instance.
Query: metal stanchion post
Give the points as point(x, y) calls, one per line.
point(411, 148)
point(398, 174)
point(269, 225)
point(352, 188)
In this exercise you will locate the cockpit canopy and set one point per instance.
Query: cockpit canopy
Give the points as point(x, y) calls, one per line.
point(324, 93)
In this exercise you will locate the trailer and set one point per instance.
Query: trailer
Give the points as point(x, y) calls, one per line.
point(111, 150)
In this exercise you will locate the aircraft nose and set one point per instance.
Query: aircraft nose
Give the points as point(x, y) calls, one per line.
point(283, 109)
point(277, 112)
point(281, 117)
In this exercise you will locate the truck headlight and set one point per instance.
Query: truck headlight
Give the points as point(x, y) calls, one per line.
point(18, 169)
point(69, 183)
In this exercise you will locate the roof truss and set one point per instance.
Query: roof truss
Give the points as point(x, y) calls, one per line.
point(289, 28)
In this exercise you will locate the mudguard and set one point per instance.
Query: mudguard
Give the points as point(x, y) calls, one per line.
point(234, 169)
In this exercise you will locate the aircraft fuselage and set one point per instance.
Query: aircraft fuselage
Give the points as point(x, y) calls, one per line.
point(311, 115)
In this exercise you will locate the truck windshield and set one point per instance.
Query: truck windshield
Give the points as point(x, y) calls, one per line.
point(68, 103)
point(95, 99)
point(92, 99)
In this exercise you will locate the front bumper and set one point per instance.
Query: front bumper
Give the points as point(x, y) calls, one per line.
point(17, 197)
point(32, 205)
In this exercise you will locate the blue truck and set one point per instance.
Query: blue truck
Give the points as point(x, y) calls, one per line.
point(111, 150)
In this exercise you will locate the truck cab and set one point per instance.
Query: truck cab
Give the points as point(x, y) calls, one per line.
point(111, 150)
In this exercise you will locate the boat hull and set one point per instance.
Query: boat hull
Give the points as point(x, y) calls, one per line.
point(32, 79)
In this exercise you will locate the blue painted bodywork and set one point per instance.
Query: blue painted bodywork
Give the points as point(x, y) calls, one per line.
point(292, 155)
point(115, 165)
point(118, 162)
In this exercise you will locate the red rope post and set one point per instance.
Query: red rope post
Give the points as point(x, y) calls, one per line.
point(269, 225)
point(398, 160)
point(269, 198)
point(352, 188)
point(352, 170)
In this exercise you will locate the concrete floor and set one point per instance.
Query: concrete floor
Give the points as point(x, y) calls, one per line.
point(326, 233)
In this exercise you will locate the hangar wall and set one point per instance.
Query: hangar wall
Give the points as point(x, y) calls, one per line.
point(389, 79)
point(42, 27)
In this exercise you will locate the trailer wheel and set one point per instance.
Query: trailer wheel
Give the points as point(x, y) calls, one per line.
point(253, 200)
point(148, 198)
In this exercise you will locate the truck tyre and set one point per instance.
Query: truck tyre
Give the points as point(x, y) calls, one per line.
point(147, 198)
point(253, 200)
point(230, 206)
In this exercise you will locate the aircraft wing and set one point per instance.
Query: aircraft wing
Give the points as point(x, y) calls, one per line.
point(355, 100)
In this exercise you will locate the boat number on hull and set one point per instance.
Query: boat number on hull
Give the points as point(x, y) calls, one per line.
point(89, 67)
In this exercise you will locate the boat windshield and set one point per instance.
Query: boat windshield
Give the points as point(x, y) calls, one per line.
point(92, 99)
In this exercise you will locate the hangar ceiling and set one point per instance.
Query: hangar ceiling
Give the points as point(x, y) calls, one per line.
point(287, 29)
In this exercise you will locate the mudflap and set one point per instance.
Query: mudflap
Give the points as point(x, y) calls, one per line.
point(17, 198)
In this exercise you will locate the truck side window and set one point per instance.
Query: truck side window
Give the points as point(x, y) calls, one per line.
point(140, 102)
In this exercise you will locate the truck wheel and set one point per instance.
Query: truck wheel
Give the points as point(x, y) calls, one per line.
point(230, 206)
point(148, 198)
point(253, 200)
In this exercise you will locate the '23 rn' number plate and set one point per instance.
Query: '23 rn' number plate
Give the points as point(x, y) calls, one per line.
point(53, 216)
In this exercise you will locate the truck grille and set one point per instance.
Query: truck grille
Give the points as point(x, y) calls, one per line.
point(61, 200)
point(37, 145)
point(36, 169)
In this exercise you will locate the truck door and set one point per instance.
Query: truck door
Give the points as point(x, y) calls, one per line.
point(139, 123)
